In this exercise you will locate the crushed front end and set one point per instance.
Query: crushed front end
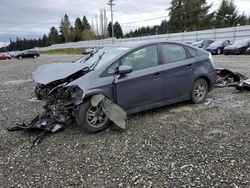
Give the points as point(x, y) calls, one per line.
point(59, 103)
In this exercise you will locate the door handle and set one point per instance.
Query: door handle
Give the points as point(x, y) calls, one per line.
point(157, 75)
point(190, 66)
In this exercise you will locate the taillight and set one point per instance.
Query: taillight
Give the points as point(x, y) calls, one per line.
point(211, 60)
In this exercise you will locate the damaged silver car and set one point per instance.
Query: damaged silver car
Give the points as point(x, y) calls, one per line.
point(110, 82)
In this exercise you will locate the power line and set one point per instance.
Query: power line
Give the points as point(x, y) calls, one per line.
point(145, 20)
point(156, 18)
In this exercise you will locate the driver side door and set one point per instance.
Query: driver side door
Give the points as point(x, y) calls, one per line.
point(143, 87)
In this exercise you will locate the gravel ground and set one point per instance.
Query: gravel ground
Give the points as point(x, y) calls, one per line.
point(183, 145)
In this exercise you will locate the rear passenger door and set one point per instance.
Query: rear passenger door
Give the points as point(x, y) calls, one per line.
point(178, 71)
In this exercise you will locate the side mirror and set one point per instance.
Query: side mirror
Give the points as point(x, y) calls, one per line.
point(124, 69)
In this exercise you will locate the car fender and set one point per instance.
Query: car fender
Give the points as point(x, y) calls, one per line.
point(92, 92)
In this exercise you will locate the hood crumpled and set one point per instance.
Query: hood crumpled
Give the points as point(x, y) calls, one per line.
point(55, 71)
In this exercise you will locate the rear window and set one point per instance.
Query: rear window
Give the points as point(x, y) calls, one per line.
point(192, 52)
point(173, 53)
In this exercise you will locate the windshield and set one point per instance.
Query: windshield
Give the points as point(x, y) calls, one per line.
point(101, 57)
point(198, 43)
point(241, 43)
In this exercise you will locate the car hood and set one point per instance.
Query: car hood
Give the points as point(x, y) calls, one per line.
point(56, 71)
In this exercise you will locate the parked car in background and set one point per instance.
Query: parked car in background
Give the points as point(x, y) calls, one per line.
point(28, 54)
point(248, 51)
point(4, 57)
point(202, 43)
point(88, 51)
point(217, 47)
point(12, 54)
point(136, 77)
point(238, 47)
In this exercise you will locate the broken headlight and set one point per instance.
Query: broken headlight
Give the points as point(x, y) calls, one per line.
point(76, 94)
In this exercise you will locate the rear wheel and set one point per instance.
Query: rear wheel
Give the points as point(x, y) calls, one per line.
point(91, 119)
point(199, 91)
point(20, 57)
point(35, 57)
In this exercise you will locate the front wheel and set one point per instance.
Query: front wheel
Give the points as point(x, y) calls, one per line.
point(199, 91)
point(35, 57)
point(218, 51)
point(20, 57)
point(91, 119)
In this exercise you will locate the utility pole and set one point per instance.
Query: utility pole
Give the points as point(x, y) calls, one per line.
point(111, 4)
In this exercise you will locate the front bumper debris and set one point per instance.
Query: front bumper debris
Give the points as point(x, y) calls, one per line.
point(228, 78)
point(40, 123)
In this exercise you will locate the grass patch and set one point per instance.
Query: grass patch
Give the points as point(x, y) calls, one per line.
point(64, 51)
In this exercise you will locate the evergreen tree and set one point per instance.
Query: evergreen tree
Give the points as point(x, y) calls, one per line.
point(117, 30)
point(53, 36)
point(242, 19)
point(44, 40)
point(85, 23)
point(65, 28)
point(71, 34)
point(189, 15)
point(227, 14)
point(109, 29)
point(78, 29)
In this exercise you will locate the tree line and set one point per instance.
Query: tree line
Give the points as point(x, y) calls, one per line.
point(81, 30)
point(195, 15)
point(184, 16)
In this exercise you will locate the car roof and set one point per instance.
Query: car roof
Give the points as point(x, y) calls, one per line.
point(132, 45)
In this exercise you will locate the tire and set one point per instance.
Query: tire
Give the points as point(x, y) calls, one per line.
point(35, 57)
point(218, 51)
point(20, 57)
point(85, 115)
point(199, 91)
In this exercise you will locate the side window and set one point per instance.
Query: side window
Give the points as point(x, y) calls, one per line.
point(112, 68)
point(142, 58)
point(173, 53)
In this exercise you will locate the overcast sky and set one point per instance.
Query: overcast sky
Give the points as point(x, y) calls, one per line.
point(33, 18)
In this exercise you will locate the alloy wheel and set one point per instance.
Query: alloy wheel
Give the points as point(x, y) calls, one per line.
point(200, 91)
point(96, 117)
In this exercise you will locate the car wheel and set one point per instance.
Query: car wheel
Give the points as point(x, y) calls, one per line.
point(91, 119)
point(35, 57)
point(218, 51)
point(20, 57)
point(199, 91)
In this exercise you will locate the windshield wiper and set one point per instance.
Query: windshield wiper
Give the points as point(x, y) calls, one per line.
point(89, 56)
point(97, 61)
